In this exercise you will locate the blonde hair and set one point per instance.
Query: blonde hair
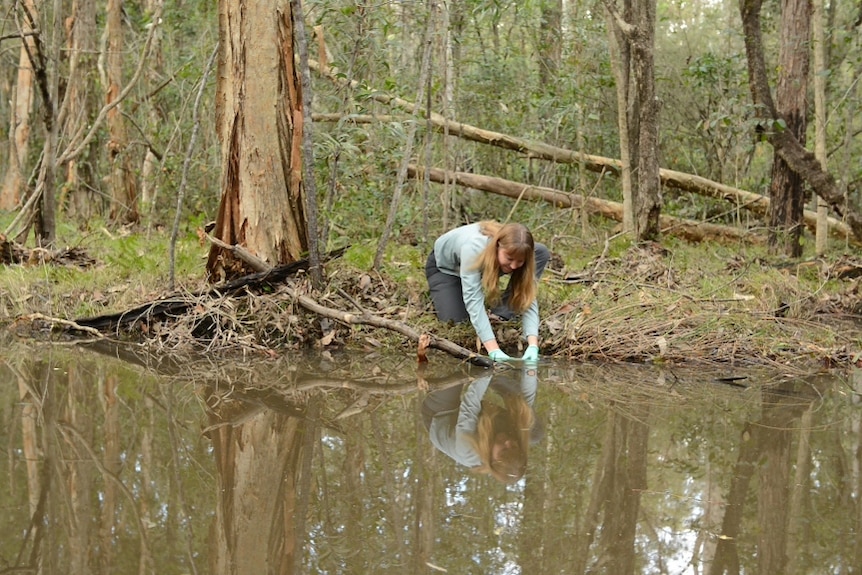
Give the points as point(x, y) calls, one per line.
point(517, 241)
point(516, 419)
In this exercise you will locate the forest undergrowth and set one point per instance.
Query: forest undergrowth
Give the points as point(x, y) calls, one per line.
point(605, 301)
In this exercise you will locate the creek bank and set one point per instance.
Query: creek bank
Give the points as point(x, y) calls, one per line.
point(642, 306)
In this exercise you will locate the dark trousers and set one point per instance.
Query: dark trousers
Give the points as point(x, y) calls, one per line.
point(449, 300)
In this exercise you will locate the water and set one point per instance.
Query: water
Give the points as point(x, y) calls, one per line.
point(117, 462)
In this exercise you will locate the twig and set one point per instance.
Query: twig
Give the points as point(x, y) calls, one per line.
point(346, 296)
point(239, 251)
point(68, 323)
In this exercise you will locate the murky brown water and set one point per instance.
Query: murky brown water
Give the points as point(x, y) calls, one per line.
point(326, 464)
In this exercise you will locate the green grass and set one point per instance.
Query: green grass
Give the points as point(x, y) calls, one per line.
point(129, 268)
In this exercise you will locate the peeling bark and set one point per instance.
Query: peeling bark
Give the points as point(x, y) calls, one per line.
point(259, 119)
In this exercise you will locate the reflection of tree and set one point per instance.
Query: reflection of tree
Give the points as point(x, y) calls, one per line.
point(79, 476)
point(257, 473)
point(424, 527)
point(90, 513)
point(111, 464)
point(765, 448)
point(625, 478)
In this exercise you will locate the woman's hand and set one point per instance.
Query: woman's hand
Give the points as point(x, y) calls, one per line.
point(498, 355)
point(531, 354)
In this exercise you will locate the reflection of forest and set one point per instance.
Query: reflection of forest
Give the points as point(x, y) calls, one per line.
point(281, 466)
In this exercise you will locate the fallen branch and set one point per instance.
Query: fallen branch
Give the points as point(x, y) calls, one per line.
point(65, 323)
point(180, 304)
point(365, 318)
point(669, 178)
point(689, 229)
point(243, 254)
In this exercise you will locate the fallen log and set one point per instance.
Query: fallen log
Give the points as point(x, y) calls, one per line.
point(12, 253)
point(180, 303)
point(689, 229)
point(669, 178)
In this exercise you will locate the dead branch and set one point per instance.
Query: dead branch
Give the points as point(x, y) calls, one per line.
point(669, 178)
point(242, 253)
point(365, 318)
point(65, 323)
point(180, 304)
point(688, 229)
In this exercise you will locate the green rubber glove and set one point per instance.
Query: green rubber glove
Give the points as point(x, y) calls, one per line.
point(498, 355)
point(531, 354)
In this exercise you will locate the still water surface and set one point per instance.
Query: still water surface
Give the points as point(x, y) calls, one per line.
point(116, 462)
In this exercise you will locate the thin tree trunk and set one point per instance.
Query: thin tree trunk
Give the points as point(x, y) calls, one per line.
point(550, 42)
point(150, 163)
point(425, 70)
point(820, 119)
point(786, 189)
point(311, 211)
point(124, 193)
point(620, 55)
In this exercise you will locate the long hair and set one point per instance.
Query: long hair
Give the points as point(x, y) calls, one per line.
point(517, 241)
point(514, 418)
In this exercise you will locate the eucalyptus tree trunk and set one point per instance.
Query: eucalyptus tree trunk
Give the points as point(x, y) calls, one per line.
point(124, 192)
point(22, 105)
point(150, 165)
point(786, 189)
point(648, 198)
point(620, 55)
point(259, 124)
point(81, 108)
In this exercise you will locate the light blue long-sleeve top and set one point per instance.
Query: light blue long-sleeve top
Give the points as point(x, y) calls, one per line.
point(457, 445)
point(456, 252)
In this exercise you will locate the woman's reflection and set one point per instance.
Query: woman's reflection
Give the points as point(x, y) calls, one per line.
point(488, 424)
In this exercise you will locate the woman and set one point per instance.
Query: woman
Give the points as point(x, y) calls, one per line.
point(487, 425)
point(464, 272)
